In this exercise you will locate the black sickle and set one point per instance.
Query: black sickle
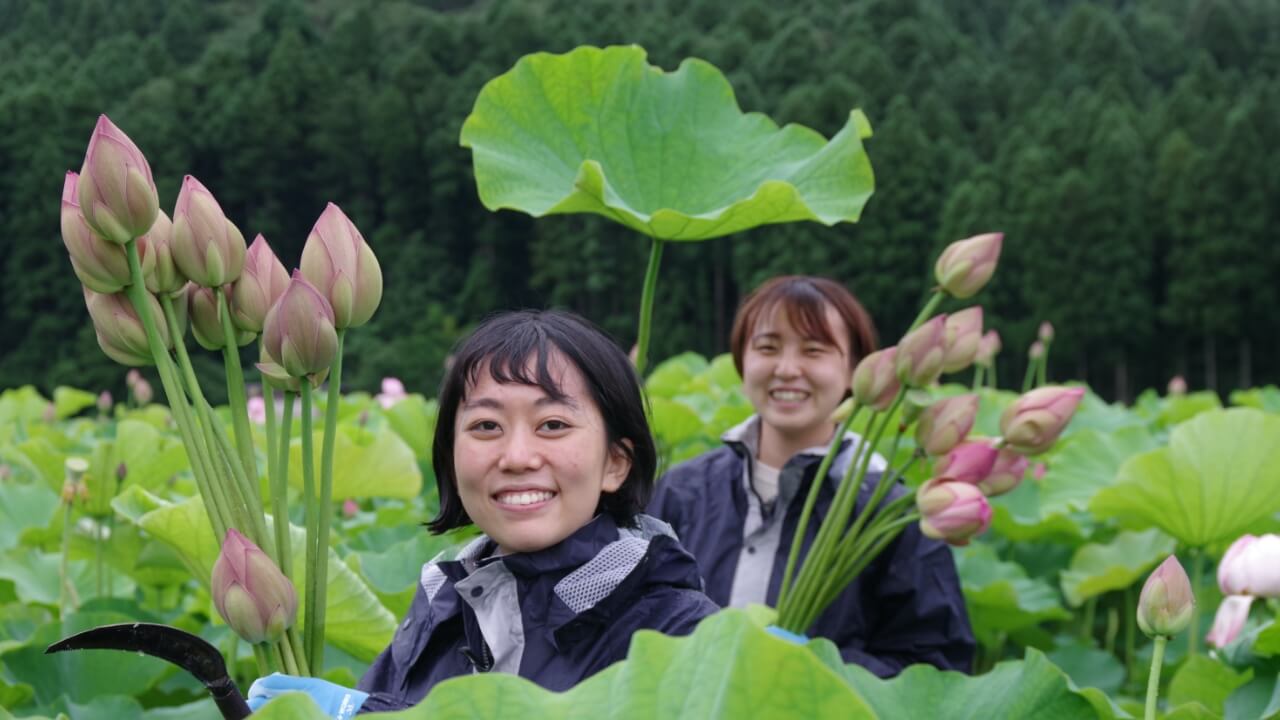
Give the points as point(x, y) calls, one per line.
point(187, 651)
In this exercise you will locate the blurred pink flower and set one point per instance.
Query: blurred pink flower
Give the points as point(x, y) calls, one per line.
point(392, 392)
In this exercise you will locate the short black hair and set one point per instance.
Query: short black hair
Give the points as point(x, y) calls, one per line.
point(505, 343)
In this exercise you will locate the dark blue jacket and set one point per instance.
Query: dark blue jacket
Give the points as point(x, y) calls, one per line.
point(906, 607)
point(555, 617)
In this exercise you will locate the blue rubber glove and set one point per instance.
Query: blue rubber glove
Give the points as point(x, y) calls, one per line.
point(788, 635)
point(339, 702)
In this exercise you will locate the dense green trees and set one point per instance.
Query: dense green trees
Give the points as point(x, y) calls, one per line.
point(1122, 146)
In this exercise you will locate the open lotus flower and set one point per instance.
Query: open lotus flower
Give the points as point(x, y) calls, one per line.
point(952, 511)
point(969, 462)
point(119, 330)
point(945, 423)
point(298, 332)
point(1006, 473)
point(920, 353)
point(1250, 568)
point(1166, 602)
point(1034, 421)
point(251, 594)
point(117, 194)
point(963, 333)
point(207, 247)
point(341, 265)
point(875, 380)
point(966, 265)
point(259, 286)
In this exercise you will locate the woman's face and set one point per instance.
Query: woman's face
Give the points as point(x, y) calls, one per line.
point(796, 382)
point(531, 468)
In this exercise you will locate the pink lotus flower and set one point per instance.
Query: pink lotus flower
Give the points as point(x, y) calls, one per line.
point(1038, 470)
point(117, 195)
point(207, 247)
point(1229, 620)
point(298, 331)
point(988, 348)
point(251, 594)
point(392, 392)
point(350, 508)
point(920, 352)
point(262, 283)
point(1251, 566)
point(1166, 602)
point(966, 265)
point(340, 264)
point(105, 402)
point(875, 382)
point(1006, 473)
point(962, 336)
point(952, 511)
point(141, 392)
point(945, 423)
point(1036, 351)
point(968, 462)
point(1034, 421)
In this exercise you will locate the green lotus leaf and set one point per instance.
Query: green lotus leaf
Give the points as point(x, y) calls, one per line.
point(365, 464)
point(1264, 398)
point(36, 576)
point(673, 375)
point(1000, 596)
point(354, 619)
point(68, 401)
point(1178, 409)
point(22, 405)
point(669, 155)
point(24, 505)
point(673, 422)
point(1097, 568)
point(1088, 462)
point(15, 695)
point(1021, 516)
point(1215, 479)
point(1030, 688)
point(1087, 666)
point(414, 420)
point(1203, 680)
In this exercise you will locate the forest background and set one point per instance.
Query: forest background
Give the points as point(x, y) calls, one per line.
point(1125, 148)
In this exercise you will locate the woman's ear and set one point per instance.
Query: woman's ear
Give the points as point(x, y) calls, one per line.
point(618, 465)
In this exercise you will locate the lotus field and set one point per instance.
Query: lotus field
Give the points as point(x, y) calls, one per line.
point(1116, 562)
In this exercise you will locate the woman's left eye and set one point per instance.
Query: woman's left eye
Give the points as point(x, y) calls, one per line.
point(555, 425)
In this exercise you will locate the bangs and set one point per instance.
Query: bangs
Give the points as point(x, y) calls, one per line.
point(507, 359)
point(806, 309)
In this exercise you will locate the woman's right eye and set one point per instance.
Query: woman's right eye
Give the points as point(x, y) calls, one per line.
point(484, 426)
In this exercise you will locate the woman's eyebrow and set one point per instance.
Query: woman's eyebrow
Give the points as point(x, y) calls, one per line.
point(494, 404)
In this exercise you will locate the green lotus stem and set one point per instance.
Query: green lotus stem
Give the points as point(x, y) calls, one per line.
point(316, 655)
point(246, 493)
point(97, 555)
point(1153, 680)
point(1029, 379)
point(1130, 612)
point(928, 309)
point(1090, 610)
point(815, 488)
point(978, 373)
point(66, 590)
point(646, 305)
point(299, 655)
point(310, 510)
point(280, 487)
point(273, 479)
point(868, 548)
point(235, 390)
point(1197, 573)
point(261, 655)
point(992, 376)
point(1042, 371)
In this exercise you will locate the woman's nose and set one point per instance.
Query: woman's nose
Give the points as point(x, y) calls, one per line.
point(520, 454)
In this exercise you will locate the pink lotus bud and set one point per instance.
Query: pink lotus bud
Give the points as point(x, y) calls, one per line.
point(1006, 473)
point(251, 594)
point(1034, 421)
point(206, 326)
point(1177, 385)
point(101, 266)
point(117, 195)
point(968, 462)
point(273, 373)
point(142, 393)
point(919, 358)
point(875, 380)
point(1046, 332)
point(257, 409)
point(165, 277)
point(340, 264)
point(350, 508)
point(206, 246)
point(945, 423)
point(963, 333)
point(299, 330)
point(392, 392)
point(262, 283)
point(1036, 351)
point(1251, 566)
point(104, 402)
point(952, 511)
point(132, 377)
point(988, 348)
point(1166, 602)
point(1230, 619)
point(120, 332)
point(966, 265)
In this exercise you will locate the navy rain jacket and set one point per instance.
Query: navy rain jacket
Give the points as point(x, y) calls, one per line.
point(556, 616)
point(906, 606)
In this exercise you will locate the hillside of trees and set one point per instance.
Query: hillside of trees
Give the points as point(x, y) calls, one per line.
point(1121, 146)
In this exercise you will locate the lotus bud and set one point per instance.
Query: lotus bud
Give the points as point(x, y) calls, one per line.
point(251, 594)
point(117, 195)
point(340, 264)
point(206, 326)
point(1046, 332)
point(838, 416)
point(142, 393)
point(963, 333)
point(968, 462)
point(101, 266)
point(1006, 473)
point(952, 511)
point(1166, 602)
point(966, 265)
point(164, 278)
point(945, 423)
point(1036, 351)
point(299, 330)
point(132, 377)
point(875, 380)
point(919, 358)
point(1177, 385)
point(206, 246)
point(1251, 566)
point(350, 508)
point(273, 373)
point(1034, 421)
point(988, 348)
point(120, 332)
point(104, 402)
point(260, 285)
point(122, 472)
point(1230, 619)
point(50, 413)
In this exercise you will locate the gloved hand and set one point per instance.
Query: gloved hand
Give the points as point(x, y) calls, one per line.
point(788, 635)
point(339, 702)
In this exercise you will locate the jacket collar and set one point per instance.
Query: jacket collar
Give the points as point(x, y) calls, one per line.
point(744, 439)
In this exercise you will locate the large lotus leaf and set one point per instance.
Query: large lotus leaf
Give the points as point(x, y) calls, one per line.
point(1021, 515)
point(1178, 409)
point(1087, 666)
point(24, 505)
point(1095, 413)
point(68, 401)
point(1206, 681)
point(1000, 596)
point(149, 456)
point(673, 422)
point(1097, 568)
point(1088, 462)
point(1258, 699)
point(22, 405)
point(1217, 477)
point(45, 458)
point(728, 668)
point(414, 420)
point(365, 464)
point(354, 619)
point(667, 154)
point(673, 375)
point(1263, 398)
point(37, 576)
point(1030, 688)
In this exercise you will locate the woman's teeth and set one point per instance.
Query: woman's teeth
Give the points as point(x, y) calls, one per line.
point(527, 497)
point(788, 395)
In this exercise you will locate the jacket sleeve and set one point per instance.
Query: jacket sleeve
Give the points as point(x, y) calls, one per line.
point(916, 610)
point(377, 676)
